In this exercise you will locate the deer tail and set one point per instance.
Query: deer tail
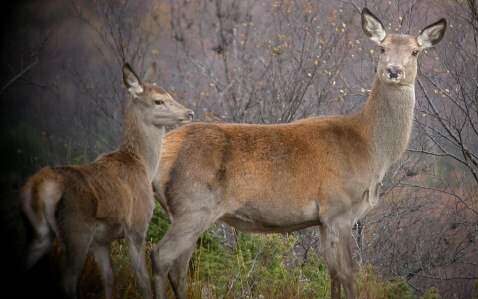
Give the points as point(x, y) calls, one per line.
point(40, 197)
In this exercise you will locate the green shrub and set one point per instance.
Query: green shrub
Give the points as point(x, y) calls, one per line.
point(158, 226)
point(399, 289)
point(257, 266)
point(431, 293)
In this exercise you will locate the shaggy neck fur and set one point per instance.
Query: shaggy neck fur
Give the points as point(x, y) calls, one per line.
point(387, 120)
point(142, 139)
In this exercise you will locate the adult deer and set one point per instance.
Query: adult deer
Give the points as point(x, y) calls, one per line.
point(321, 171)
point(89, 206)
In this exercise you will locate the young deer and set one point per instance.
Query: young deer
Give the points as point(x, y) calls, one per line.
point(89, 206)
point(321, 171)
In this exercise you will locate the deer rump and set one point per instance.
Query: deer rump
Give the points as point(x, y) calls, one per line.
point(106, 184)
point(268, 177)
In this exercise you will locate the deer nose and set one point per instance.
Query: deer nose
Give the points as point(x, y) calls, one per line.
point(190, 114)
point(394, 72)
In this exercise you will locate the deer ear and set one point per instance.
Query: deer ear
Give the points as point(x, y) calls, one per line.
point(131, 80)
point(432, 34)
point(372, 26)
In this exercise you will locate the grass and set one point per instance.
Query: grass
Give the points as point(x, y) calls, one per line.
point(256, 266)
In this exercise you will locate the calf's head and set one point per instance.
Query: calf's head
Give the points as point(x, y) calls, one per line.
point(157, 107)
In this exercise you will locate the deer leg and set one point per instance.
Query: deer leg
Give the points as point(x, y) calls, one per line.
point(137, 256)
point(346, 263)
point(178, 273)
point(103, 260)
point(328, 245)
point(77, 243)
point(336, 242)
point(334, 284)
point(181, 237)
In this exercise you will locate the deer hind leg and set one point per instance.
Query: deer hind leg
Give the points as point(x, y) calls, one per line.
point(77, 242)
point(103, 259)
point(181, 237)
point(138, 261)
point(178, 273)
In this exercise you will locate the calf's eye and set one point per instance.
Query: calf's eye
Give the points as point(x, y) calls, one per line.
point(159, 102)
point(415, 52)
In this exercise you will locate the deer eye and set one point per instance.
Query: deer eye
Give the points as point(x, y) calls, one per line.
point(415, 52)
point(159, 102)
point(382, 50)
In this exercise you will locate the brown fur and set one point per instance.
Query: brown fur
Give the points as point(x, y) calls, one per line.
point(121, 174)
point(89, 206)
point(239, 161)
point(278, 178)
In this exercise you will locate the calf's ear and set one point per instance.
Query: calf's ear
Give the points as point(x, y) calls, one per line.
point(372, 26)
point(131, 80)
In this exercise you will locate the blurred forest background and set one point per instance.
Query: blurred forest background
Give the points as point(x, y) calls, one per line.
point(257, 62)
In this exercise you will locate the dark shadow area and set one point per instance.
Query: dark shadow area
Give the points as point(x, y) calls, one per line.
point(41, 280)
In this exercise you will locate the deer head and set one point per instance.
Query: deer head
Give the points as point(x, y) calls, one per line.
point(156, 105)
point(399, 52)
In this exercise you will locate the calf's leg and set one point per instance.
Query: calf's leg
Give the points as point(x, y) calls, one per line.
point(77, 243)
point(137, 256)
point(103, 260)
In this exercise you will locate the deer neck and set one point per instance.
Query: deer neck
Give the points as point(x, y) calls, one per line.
point(142, 140)
point(387, 119)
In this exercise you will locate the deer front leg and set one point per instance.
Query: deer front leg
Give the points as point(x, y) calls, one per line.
point(346, 267)
point(328, 247)
point(335, 245)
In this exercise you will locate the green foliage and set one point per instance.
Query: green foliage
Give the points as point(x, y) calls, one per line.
point(372, 287)
point(399, 289)
point(316, 272)
point(431, 293)
point(158, 226)
point(256, 266)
